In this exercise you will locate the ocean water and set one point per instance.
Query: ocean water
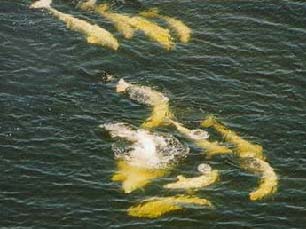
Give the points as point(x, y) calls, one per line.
point(246, 63)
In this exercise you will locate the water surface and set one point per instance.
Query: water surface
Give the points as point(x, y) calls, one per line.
point(246, 63)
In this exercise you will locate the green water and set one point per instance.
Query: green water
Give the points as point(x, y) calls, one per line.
point(246, 64)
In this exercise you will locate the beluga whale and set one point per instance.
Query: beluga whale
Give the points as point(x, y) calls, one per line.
point(147, 96)
point(268, 183)
point(127, 25)
point(120, 21)
point(251, 158)
point(179, 27)
point(243, 147)
point(93, 33)
point(200, 139)
point(158, 206)
point(208, 177)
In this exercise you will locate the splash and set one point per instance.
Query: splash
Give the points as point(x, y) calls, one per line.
point(243, 147)
point(127, 25)
point(145, 95)
point(94, 34)
point(148, 156)
point(183, 31)
point(211, 148)
point(208, 177)
point(269, 180)
point(159, 206)
point(146, 149)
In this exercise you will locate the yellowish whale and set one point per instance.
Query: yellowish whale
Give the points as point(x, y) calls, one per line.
point(127, 25)
point(147, 96)
point(153, 31)
point(159, 206)
point(200, 139)
point(242, 147)
point(134, 177)
point(182, 30)
point(121, 22)
point(94, 34)
point(251, 159)
point(268, 181)
point(208, 177)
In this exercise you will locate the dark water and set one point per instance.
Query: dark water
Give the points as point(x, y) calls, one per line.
point(246, 64)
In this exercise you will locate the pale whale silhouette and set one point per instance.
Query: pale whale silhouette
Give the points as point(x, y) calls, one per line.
point(94, 34)
point(127, 25)
point(146, 95)
point(158, 206)
point(208, 177)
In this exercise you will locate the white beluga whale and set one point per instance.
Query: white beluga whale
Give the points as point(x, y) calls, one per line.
point(182, 30)
point(208, 177)
point(147, 96)
point(251, 158)
point(268, 183)
point(158, 206)
point(121, 22)
point(200, 138)
point(128, 25)
point(94, 34)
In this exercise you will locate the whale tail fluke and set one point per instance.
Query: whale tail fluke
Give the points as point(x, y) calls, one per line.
point(41, 4)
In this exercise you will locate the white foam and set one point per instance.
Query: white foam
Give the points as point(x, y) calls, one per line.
point(146, 149)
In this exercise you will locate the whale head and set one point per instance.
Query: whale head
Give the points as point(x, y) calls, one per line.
point(204, 168)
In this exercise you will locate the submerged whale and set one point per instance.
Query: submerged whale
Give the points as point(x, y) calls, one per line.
point(134, 177)
point(127, 25)
point(251, 158)
point(208, 177)
point(94, 34)
point(159, 206)
point(199, 137)
point(120, 21)
point(146, 95)
point(144, 156)
point(243, 147)
point(182, 30)
point(268, 178)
